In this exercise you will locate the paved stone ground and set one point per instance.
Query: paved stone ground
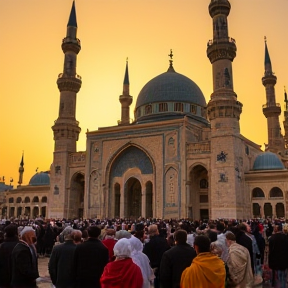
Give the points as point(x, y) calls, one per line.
point(45, 282)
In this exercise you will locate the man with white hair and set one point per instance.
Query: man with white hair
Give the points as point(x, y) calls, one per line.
point(24, 260)
point(61, 261)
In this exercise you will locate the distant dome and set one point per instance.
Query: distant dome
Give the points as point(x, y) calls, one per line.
point(268, 161)
point(170, 93)
point(40, 179)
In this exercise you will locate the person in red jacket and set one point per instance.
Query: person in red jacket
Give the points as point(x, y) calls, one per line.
point(122, 272)
point(110, 241)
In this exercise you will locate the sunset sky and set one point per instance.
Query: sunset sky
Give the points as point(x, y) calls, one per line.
point(31, 58)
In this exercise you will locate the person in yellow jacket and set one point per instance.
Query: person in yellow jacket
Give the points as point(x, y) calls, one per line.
point(207, 270)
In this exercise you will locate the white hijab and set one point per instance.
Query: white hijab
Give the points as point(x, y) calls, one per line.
point(141, 259)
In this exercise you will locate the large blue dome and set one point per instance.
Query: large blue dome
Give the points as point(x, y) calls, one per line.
point(170, 93)
point(268, 161)
point(40, 179)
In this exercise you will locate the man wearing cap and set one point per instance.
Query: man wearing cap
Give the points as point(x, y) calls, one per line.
point(24, 260)
point(175, 260)
point(60, 264)
point(6, 248)
point(206, 270)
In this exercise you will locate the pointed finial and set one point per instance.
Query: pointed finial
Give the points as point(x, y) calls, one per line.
point(171, 69)
point(72, 18)
point(265, 39)
point(126, 77)
point(22, 159)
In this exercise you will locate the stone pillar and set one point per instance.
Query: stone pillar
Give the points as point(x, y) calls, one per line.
point(122, 202)
point(143, 202)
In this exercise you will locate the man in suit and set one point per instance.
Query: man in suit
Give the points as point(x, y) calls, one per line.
point(175, 260)
point(61, 261)
point(90, 258)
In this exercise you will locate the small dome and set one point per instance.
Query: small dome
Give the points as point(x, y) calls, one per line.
point(40, 179)
point(268, 161)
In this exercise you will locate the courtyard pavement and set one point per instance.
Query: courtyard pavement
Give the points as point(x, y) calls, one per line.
point(44, 280)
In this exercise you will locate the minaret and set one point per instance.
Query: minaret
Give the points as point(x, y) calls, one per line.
point(223, 110)
point(271, 109)
point(21, 170)
point(66, 128)
point(125, 99)
point(285, 122)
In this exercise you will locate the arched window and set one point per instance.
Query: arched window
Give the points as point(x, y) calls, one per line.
point(44, 199)
point(178, 107)
point(19, 200)
point(203, 184)
point(258, 193)
point(27, 200)
point(193, 109)
point(148, 109)
point(163, 107)
point(11, 200)
point(35, 199)
point(276, 192)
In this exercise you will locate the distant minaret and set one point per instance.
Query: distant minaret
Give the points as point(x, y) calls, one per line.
point(21, 170)
point(271, 109)
point(125, 99)
point(285, 122)
point(66, 129)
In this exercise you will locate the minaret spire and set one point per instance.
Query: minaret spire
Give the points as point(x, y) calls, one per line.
point(171, 68)
point(285, 122)
point(21, 170)
point(66, 129)
point(125, 99)
point(271, 109)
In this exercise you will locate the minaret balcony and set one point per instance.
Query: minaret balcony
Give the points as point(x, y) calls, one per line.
point(69, 83)
point(221, 49)
point(270, 110)
point(269, 79)
point(70, 44)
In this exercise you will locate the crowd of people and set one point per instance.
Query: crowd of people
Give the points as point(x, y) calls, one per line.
point(114, 253)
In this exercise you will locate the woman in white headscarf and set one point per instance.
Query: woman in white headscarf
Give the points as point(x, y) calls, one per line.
point(122, 272)
point(142, 261)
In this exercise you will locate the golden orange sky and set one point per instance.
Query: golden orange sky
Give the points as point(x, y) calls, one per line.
point(111, 30)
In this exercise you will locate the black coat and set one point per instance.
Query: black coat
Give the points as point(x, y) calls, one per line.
point(90, 258)
point(6, 249)
point(173, 263)
point(246, 241)
point(278, 251)
point(24, 266)
point(154, 249)
point(61, 264)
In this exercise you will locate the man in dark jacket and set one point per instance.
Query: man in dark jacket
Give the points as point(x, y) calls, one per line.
point(278, 256)
point(175, 260)
point(6, 248)
point(24, 261)
point(90, 258)
point(154, 249)
point(61, 261)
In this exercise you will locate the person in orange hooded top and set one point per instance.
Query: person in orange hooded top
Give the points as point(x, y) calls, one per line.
point(207, 270)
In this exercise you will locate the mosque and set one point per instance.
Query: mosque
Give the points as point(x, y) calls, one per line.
point(180, 158)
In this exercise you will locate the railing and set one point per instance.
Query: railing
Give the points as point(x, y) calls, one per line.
point(211, 42)
point(271, 105)
point(65, 40)
point(62, 75)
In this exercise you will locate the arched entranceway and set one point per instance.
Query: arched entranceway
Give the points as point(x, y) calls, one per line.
point(133, 198)
point(131, 184)
point(267, 210)
point(280, 211)
point(198, 198)
point(35, 211)
point(76, 197)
